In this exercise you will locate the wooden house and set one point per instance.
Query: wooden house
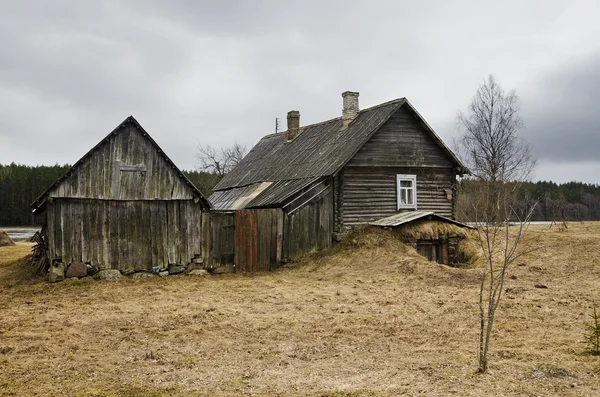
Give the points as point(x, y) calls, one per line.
point(319, 180)
point(124, 205)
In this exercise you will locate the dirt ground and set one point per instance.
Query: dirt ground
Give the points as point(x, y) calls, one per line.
point(371, 320)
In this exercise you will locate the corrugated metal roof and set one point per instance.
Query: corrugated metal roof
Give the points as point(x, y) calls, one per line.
point(406, 217)
point(280, 191)
point(260, 194)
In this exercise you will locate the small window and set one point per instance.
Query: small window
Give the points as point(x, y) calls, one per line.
point(407, 191)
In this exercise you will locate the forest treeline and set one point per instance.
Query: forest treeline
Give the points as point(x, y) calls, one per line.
point(20, 185)
point(571, 201)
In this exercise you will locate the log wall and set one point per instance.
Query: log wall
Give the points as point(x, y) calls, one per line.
point(401, 146)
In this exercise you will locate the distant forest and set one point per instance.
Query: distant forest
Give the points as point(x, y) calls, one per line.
point(20, 185)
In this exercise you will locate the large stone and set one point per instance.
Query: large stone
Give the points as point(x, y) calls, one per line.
point(198, 272)
point(77, 269)
point(176, 269)
point(163, 274)
point(143, 275)
point(56, 273)
point(108, 274)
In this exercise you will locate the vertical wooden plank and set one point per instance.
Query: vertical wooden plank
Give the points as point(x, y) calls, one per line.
point(240, 241)
point(184, 257)
point(78, 220)
point(58, 230)
point(206, 237)
point(161, 233)
point(51, 227)
point(129, 263)
point(254, 239)
point(113, 226)
point(85, 218)
point(279, 233)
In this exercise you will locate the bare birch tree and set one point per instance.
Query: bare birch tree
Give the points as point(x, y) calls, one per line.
point(496, 155)
point(219, 161)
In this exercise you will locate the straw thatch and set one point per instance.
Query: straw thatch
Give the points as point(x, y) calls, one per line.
point(5, 240)
point(432, 230)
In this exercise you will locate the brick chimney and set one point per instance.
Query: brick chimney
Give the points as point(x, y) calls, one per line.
point(350, 110)
point(293, 124)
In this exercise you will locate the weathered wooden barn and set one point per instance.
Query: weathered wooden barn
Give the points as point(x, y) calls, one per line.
point(318, 180)
point(124, 205)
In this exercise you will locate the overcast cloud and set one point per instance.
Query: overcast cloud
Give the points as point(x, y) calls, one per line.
point(196, 72)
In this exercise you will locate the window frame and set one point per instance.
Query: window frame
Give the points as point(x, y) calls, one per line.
point(413, 179)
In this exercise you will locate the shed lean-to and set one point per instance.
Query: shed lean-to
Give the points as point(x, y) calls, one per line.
point(124, 205)
point(351, 170)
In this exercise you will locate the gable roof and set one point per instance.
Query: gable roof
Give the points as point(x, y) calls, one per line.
point(39, 203)
point(319, 150)
point(411, 216)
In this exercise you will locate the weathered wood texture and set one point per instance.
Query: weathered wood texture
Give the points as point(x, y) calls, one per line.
point(402, 145)
point(369, 193)
point(125, 167)
point(124, 235)
point(309, 226)
point(242, 241)
point(218, 240)
point(258, 239)
point(403, 141)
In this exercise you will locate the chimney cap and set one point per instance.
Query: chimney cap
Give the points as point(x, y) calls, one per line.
point(293, 113)
point(353, 93)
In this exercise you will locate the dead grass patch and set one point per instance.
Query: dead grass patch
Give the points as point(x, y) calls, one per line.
point(370, 318)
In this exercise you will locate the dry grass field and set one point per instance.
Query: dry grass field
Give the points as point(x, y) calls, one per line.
point(373, 319)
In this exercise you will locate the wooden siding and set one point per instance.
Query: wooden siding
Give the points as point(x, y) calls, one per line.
point(309, 227)
point(258, 239)
point(369, 193)
point(403, 141)
point(125, 167)
point(218, 241)
point(124, 235)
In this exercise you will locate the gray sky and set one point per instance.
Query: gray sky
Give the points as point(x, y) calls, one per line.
point(195, 72)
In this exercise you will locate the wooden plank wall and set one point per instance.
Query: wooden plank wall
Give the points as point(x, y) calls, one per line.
point(125, 167)
point(124, 235)
point(258, 239)
point(219, 240)
point(308, 228)
point(401, 142)
point(370, 193)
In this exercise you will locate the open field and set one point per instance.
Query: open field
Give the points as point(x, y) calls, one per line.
point(372, 320)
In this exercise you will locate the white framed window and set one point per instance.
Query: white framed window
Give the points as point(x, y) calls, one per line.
point(406, 188)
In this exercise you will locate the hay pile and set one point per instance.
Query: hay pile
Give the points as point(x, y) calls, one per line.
point(432, 230)
point(468, 250)
point(5, 240)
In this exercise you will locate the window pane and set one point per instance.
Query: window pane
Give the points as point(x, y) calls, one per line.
point(405, 183)
point(409, 196)
point(402, 196)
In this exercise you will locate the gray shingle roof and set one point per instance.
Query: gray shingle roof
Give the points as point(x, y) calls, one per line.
point(319, 150)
